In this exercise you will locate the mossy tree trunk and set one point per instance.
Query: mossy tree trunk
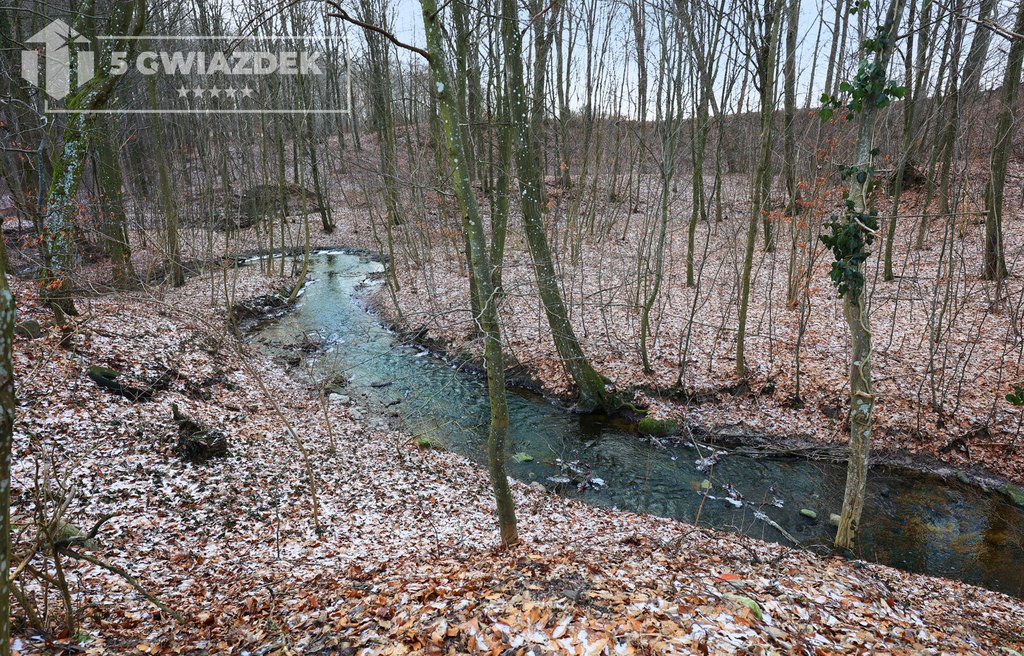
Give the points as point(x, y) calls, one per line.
point(126, 17)
point(590, 384)
point(502, 195)
point(472, 223)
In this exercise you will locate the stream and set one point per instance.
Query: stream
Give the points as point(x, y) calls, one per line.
point(915, 522)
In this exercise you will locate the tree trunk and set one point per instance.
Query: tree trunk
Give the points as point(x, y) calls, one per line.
point(126, 17)
point(472, 224)
point(7, 406)
point(168, 207)
point(502, 197)
point(862, 397)
point(995, 262)
point(789, 144)
point(765, 54)
point(114, 227)
point(592, 392)
point(913, 84)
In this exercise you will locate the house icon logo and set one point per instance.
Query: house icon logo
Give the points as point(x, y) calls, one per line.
point(57, 39)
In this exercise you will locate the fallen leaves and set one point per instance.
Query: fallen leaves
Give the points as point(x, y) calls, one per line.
point(405, 562)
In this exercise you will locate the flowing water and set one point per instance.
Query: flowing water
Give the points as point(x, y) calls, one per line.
point(911, 521)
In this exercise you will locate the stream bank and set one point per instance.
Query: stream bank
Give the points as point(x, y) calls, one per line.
point(916, 522)
point(403, 558)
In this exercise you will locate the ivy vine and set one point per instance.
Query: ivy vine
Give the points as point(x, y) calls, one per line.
point(850, 236)
point(1016, 397)
point(848, 240)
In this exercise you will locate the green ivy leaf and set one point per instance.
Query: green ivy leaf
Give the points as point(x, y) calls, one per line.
point(1016, 397)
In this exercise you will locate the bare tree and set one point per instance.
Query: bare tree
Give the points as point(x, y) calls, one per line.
point(590, 384)
point(763, 25)
point(487, 300)
point(995, 260)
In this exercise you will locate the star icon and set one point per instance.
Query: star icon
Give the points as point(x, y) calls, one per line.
point(246, 91)
point(215, 92)
point(229, 92)
point(182, 92)
point(197, 92)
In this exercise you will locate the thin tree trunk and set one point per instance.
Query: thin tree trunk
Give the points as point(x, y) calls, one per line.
point(909, 109)
point(995, 262)
point(167, 205)
point(7, 406)
point(472, 224)
point(765, 54)
point(502, 198)
point(789, 144)
point(113, 223)
point(855, 308)
point(591, 386)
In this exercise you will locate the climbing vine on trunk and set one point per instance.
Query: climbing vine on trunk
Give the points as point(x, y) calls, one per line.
point(849, 238)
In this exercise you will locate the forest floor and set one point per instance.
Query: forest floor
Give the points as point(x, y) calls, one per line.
point(400, 557)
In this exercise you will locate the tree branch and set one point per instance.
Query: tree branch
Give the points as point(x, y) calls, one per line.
point(344, 15)
point(989, 25)
point(128, 578)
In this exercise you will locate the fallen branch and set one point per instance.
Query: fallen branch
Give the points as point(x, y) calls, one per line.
point(771, 522)
point(132, 581)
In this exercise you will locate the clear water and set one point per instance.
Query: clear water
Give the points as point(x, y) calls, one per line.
point(914, 522)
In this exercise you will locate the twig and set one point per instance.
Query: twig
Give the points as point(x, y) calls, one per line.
point(771, 522)
point(132, 581)
point(989, 25)
point(344, 15)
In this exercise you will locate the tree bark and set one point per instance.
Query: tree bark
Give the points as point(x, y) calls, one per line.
point(472, 224)
point(7, 406)
point(591, 386)
point(168, 207)
point(765, 58)
point(126, 17)
point(995, 261)
point(789, 144)
point(855, 308)
point(913, 84)
point(114, 227)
